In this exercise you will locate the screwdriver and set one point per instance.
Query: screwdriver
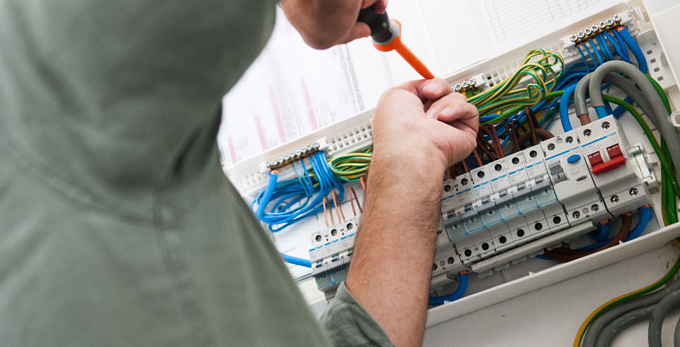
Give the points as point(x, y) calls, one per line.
point(386, 36)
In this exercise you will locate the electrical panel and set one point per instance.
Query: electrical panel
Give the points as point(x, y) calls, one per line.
point(505, 211)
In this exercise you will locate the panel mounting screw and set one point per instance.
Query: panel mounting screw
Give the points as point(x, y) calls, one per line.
point(573, 38)
point(576, 214)
point(605, 125)
point(615, 198)
point(595, 208)
point(633, 191)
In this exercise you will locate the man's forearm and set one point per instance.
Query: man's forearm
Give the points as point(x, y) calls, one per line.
point(391, 266)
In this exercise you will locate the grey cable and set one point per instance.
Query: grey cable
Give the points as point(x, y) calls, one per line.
point(629, 88)
point(626, 85)
point(580, 95)
point(667, 304)
point(598, 324)
point(676, 334)
point(612, 329)
point(659, 110)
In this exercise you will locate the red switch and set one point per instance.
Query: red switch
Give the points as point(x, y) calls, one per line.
point(595, 159)
point(616, 159)
point(614, 151)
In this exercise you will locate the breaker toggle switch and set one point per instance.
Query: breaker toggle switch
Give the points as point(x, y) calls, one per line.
point(599, 166)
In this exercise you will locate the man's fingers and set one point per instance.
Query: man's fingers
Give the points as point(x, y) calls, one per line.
point(427, 89)
point(359, 30)
point(451, 107)
point(379, 6)
point(434, 89)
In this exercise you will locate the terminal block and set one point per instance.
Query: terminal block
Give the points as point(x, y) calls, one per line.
point(301, 153)
point(605, 25)
point(472, 86)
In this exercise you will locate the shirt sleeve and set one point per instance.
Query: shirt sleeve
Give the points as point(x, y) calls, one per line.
point(348, 324)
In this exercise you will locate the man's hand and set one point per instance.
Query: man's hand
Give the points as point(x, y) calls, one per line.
point(326, 23)
point(420, 128)
point(424, 122)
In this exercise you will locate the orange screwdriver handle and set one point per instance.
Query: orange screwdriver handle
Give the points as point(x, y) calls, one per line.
point(386, 35)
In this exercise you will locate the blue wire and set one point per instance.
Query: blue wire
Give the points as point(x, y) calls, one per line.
point(597, 54)
point(460, 291)
point(622, 44)
point(260, 212)
point(602, 232)
point(619, 111)
point(616, 45)
point(300, 191)
point(564, 107)
point(267, 195)
point(601, 111)
point(296, 261)
point(607, 108)
point(635, 48)
point(604, 48)
point(645, 216)
point(585, 60)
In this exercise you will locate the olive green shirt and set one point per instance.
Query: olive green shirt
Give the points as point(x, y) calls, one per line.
point(117, 226)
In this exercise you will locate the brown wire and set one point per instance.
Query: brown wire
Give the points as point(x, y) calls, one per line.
point(477, 157)
point(452, 172)
point(492, 147)
point(496, 141)
point(351, 201)
point(584, 118)
point(541, 133)
point(466, 166)
point(363, 185)
point(512, 135)
point(354, 193)
point(519, 126)
point(338, 207)
point(484, 147)
point(325, 211)
point(563, 254)
point(531, 119)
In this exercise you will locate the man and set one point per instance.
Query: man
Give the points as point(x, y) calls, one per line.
point(117, 227)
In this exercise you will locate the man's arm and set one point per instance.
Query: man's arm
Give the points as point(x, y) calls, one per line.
point(413, 145)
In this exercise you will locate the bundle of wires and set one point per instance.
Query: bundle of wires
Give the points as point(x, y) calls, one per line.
point(288, 202)
point(604, 47)
point(351, 167)
point(542, 69)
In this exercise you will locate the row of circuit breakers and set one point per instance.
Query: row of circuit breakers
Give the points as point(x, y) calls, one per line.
point(583, 176)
